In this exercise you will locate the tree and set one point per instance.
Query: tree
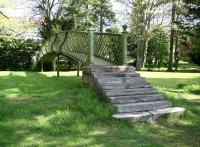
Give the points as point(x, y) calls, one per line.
point(4, 4)
point(102, 13)
point(170, 62)
point(52, 17)
point(158, 49)
point(193, 7)
point(195, 55)
point(144, 13)
point(176, 33)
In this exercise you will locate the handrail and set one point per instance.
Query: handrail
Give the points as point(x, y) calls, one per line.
point(109, 46)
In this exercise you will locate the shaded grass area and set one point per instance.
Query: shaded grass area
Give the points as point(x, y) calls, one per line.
point(42, 110)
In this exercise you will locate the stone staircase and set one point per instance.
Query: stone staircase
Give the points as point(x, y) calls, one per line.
point(135, 99)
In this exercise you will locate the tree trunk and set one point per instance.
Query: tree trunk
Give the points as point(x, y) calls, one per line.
point(54, 65)
point(101, 24)
point(146, 43)
point(176, 53)
point(140, 48)
point(140, 41)
point(170, 62)
point(101, 17)
point(145, 52)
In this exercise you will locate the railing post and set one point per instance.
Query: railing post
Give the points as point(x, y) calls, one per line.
point(91, 46)
point(124, 45)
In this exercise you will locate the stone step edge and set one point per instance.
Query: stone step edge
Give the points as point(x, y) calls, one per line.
point(118, 100)
point(149, 115)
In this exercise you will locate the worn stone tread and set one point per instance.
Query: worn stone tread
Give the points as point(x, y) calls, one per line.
point(142, 106)
point(134, 117)
point(173, 110)
point(129, 92)
point(124, 86)
point(136, 98)
point(113, 74)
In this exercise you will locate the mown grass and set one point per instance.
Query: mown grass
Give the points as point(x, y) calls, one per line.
point(184, 67)
point(41, 110)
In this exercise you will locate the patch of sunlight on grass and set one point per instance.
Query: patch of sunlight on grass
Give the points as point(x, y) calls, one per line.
point(169, 75)
point(9, 93)
point(32, 140)
point(97, 132)
point(69, 73)
point(12, 73)
point(189, 96)
point(59, 122)
point(79, 141)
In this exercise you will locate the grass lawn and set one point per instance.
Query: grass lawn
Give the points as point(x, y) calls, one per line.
point(38, 109)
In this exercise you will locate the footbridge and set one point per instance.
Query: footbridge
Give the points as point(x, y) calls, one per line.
point(89, 47)
point(104, 56)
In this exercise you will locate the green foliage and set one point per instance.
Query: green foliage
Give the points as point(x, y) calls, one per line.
point(102, 13)
point(157, 53)
point(195, 55)
point(193, 9)
point(16, 53)
point(42, 110)
point(72, 14)
point(53, 20)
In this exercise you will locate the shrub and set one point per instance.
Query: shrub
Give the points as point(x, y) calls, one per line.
point(195, 55)
point(17, 53)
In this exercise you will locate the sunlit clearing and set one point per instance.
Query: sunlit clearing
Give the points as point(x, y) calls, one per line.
point(69, 73)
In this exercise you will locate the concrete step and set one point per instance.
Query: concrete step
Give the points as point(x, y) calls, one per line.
point(149, 116)
point(142, 106)
point(115, 69)
point(134, 117)
point(136, 98)
point(175, 111)
point(129, 92)
point(113, 74)
point(112, 80)
point(121, 69)
point(124, 86)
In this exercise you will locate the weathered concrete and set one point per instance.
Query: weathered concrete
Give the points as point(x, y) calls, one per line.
point(134, 117)
point(142, 106)
point(135, 99)
point(172, 111)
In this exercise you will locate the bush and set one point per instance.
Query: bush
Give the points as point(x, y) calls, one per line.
point(195, 55)
point(157, 52)
point(17, 53)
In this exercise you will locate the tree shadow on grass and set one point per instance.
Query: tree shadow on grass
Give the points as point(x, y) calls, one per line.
point(25, 96)
point(37, 110)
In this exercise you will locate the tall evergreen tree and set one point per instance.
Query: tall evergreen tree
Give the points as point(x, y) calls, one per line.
point(102, 13)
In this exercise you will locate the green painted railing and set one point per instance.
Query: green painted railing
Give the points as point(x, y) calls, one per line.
point(84, 46)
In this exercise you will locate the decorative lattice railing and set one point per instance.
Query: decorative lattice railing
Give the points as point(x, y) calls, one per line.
point(84, 46)
point(108, 46)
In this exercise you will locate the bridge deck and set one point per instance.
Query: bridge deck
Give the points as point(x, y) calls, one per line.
point(99, 61)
